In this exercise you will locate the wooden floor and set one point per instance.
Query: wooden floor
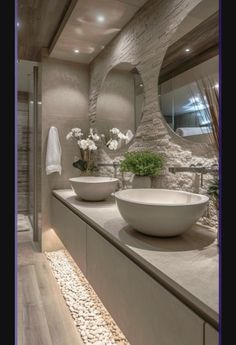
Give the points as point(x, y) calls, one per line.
point(43, 317)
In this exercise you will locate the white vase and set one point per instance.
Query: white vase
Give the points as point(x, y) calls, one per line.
point(141, 182)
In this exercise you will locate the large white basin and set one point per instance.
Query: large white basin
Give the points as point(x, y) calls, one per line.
point(160, 212)
point(92, 188)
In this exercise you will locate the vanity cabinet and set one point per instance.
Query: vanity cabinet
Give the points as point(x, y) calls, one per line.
point(71, 230)
point(211, 335)
point(145, 311)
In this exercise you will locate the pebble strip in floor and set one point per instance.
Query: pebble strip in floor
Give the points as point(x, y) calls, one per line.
point(92, 320)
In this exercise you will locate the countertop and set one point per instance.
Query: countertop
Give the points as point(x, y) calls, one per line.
point(186, 265)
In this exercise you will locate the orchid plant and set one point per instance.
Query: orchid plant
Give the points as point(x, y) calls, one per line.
point(87, 147)
point(90, 144)
point(117, 138)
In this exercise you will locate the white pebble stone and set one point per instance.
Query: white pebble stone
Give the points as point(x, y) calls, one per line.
point(90, 316)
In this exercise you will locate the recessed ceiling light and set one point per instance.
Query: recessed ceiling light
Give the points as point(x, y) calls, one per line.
point(187, 50)
point(76, 51)
point(102, 47)
point(141, 84)
point(101, 19)
point(18, 24)
point(216, 86)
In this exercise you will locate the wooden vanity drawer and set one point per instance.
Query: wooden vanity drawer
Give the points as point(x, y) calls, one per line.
point(71, 230)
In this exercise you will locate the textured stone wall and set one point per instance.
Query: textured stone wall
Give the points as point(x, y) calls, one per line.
point(143, 42)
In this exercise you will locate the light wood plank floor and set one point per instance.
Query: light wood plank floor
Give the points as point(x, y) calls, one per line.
point(43, 317)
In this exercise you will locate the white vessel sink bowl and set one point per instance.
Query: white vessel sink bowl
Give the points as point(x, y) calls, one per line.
point(93, 188)
point(160, 212)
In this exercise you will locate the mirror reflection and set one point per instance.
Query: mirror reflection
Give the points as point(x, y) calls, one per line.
point(189, 77)
point(120, 102)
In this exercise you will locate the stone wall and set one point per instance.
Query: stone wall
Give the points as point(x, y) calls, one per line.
point(143, 42)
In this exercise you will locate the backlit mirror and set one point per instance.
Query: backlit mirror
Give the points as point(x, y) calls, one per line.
point(120, 102)
point(188, 81)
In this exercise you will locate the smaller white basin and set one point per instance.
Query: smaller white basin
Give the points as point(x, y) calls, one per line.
point(160, 212)
point(92, 188)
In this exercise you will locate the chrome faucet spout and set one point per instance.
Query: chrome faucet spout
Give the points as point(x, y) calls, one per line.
point(115, 165)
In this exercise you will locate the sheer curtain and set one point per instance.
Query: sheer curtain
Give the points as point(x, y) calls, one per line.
point(208, 89)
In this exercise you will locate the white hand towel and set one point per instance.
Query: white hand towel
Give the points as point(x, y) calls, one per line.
point(191, 131)
point(53, 155)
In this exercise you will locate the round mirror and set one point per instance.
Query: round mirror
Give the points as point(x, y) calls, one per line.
point(120, 104)
point(188, 81)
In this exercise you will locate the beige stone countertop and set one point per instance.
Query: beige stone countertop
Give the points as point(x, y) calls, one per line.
point(186, 265)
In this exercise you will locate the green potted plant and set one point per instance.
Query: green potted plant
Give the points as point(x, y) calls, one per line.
point(213, 192)
point(144, 165)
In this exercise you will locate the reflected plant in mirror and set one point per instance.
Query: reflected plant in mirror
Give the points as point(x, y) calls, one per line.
point(213, 192)
point(189, 78)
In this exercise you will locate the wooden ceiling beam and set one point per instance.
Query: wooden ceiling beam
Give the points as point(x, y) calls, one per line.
point(39, 21)
point(203, 42)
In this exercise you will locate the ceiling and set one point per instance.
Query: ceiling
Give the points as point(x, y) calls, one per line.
point(67, 25)
point(91, 26)
point(38, 22)
point(201, 12)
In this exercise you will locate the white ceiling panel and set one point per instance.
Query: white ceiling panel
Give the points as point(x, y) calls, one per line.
point(91, 26)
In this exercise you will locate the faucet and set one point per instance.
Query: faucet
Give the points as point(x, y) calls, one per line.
point(115, 165)
point(197, 168)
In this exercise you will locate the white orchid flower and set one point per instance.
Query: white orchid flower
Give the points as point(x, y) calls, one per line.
point(96, 137)
point(113, 144)
point(69, 136)
point(93, 135)
point(83, 144)
point(129, 136)
point(76, 130)
point(115, 131)
point(92, 146)
point(122, 136)
point(78, 135)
